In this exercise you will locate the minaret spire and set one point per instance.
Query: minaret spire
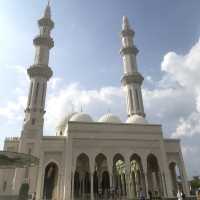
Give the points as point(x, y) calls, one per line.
point(125, 23)
point(47, 13)
point(132, 79)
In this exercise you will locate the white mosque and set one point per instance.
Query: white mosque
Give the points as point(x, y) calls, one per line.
point(86, 159)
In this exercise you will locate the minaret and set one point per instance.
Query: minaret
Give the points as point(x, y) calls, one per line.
point(39, 74)
point(132, 79)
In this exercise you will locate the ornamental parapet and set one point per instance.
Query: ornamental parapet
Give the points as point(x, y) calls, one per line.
point(46, 22)
point(12, 139)
point(135, 77)
point(40, 71)
point(127, 33)
point(46, 41)
point(129, 50)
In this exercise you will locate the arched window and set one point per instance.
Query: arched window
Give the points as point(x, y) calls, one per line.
point(130, 94)
point(43, 92)
point(33, 121)
point(30, 94)
point(36, 93)
point(137, 99)
point(4, 186)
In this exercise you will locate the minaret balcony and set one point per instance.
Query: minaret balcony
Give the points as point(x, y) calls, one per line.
point(46, 22)
point(129, 50)
point(127, 33)
point(135, 77)
point(46, 41)
point(40, 71)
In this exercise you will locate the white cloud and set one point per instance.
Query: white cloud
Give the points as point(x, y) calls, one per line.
point(54, 83)
point(12, 110)
point(184, 68)
point(72, 98)
point(184, 71)
point(189, 126)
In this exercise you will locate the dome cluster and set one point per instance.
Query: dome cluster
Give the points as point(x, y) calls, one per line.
point(107, 118)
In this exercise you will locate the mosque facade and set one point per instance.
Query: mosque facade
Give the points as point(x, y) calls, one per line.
point(89, 159)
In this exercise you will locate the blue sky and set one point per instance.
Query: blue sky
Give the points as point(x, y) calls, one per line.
point(86, 61)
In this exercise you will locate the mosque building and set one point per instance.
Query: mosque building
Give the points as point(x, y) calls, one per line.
point(88, 159)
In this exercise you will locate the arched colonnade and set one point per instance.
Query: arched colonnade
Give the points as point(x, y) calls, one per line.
point(101, 179)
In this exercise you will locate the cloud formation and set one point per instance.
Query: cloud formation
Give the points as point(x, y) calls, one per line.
point(74, 98)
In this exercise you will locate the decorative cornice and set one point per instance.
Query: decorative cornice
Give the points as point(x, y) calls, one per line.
point(41, 71)
point(96, 127)
point(46, 22)
point(129, 50)
point(138, 113)
point(41, 110)
point(127, 33)
point(47, 41)
point(135, 77)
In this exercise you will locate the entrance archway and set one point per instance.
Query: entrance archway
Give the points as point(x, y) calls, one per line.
point(154, 176)
point(176, 178)
point(50, 182)
point(101, 177)
point(82, 177)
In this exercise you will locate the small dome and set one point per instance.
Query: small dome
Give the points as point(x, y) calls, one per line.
point(81, 117)
point(110, 118)
point(60, 128)
point(136, 119)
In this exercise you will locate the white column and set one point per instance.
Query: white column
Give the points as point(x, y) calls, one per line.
point(110, 168)
point(40, 180)
point(92, 166)
point(163, 163)
point(144, 166)
point(92, 184)
point(128, 178)
point(164, 184)
point(111, 180)
point(184, 174)
point(73, 172)
point(146, 184)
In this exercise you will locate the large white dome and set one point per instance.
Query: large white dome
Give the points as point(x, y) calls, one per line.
point(81, 117)
point(109, 118)
point(136, 119)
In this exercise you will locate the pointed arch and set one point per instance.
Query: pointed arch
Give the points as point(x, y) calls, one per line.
point(119, 176)
point(154, 175)
point(137, 177)
point(176, 179)
point(82, 177)
point(50, 181)
point(102, 175)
